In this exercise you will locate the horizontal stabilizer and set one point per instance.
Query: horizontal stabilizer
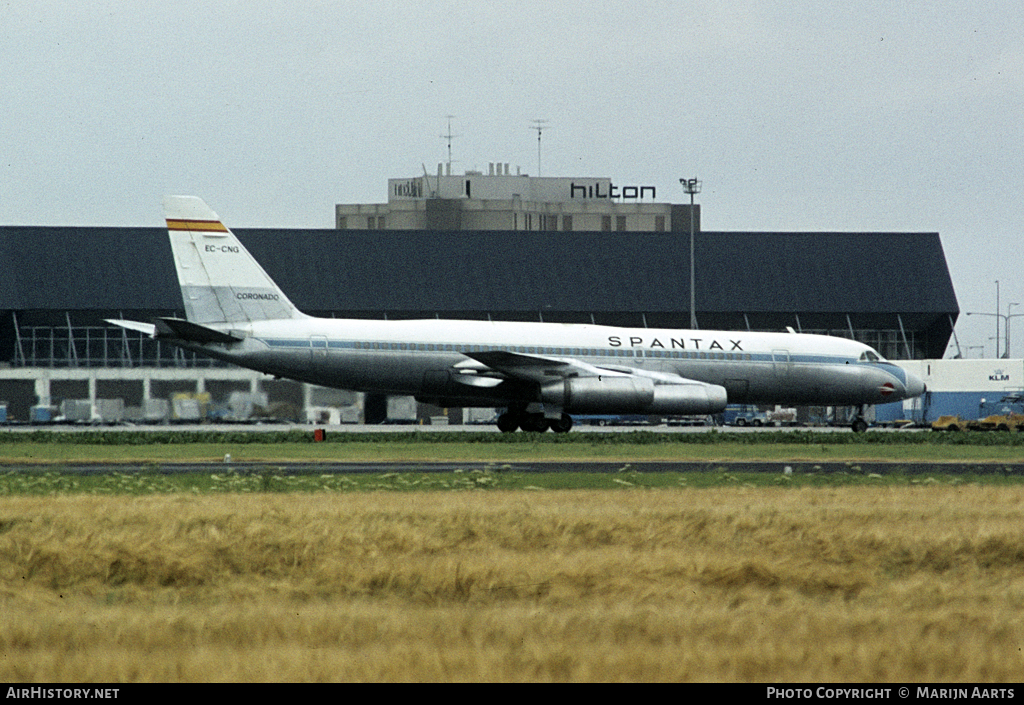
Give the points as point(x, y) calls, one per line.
point(146, 328)
point(192, 332)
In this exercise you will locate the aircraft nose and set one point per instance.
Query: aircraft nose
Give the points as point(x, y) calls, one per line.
point(915, 386)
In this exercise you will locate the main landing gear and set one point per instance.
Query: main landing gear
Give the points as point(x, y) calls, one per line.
point(514, 419)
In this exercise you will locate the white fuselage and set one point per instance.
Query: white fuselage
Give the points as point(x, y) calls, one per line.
point(432, 359)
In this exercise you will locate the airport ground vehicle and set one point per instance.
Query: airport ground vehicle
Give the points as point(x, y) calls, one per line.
point(949, 422)
point(997, 422)
point(744, 415)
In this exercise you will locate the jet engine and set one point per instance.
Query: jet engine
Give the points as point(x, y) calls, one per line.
point(633, 395)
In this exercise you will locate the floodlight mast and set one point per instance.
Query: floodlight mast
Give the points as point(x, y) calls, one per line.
point(449, 137)
point(692, 187)
point(1006, 321)
point(539, 125)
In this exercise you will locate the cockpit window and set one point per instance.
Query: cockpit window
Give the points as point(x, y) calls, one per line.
point(870, 356)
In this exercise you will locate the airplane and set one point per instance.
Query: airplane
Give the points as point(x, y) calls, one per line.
point(541, 373)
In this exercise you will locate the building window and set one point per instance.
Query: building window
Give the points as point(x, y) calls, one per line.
point(659, 223)
point(620, 223)
point(567, 223)
point(606, 223)
point(380, 223)
point(370, 222)
point(342, 222)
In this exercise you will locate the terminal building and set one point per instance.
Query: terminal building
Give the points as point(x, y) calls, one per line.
point(482, 246)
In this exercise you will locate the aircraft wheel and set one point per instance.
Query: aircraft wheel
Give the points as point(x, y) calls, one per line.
point(859, 425)
point(508, 423)
point(562, 425)
point(534, 423)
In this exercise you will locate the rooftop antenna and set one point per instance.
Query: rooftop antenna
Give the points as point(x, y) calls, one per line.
point(539, 126)
point(449, 137)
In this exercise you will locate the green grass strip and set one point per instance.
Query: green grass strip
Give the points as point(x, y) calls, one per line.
point(274, 480)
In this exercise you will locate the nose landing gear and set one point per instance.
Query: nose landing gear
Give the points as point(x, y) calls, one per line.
point(859, 425)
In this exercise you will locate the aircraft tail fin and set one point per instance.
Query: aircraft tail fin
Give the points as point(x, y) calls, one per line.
point(220, 281)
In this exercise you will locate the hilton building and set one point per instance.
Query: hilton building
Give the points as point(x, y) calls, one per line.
point(499, 200)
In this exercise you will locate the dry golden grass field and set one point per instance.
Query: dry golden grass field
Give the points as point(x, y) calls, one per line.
point(921, 583)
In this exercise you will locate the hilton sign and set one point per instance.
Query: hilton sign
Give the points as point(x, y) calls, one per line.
point(594, 191)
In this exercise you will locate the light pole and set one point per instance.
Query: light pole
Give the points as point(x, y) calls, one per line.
point(1006, 323)
point(997, 318)
point(692, 187)
point(1007, 336)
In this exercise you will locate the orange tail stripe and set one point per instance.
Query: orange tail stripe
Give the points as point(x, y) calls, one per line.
point(211, 225)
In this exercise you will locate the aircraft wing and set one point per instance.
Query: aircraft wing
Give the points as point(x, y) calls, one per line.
point(579, 387)
point(498, 365)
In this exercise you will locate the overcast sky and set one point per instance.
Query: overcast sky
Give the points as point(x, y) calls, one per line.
point(798, 116)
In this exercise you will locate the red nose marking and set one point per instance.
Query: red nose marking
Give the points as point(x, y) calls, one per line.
point(887, 389)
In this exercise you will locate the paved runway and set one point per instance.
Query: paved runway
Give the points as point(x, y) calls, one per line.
point(415, 428)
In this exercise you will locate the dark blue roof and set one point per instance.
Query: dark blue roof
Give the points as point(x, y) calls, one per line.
point(763, 280)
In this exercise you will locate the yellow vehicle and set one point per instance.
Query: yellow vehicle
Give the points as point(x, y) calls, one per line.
point(949, 423)
point(998, 422)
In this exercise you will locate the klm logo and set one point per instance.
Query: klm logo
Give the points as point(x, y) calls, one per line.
point(999, 376)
